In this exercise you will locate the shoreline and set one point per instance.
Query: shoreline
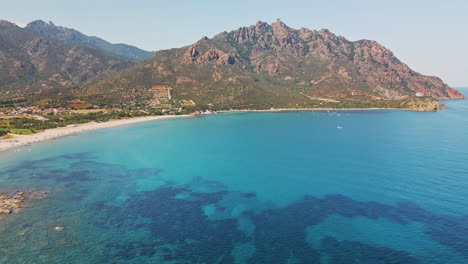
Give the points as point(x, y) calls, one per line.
point(308, 109)
point(48, 134)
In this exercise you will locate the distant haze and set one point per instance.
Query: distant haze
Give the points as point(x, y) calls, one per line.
point(430, 36)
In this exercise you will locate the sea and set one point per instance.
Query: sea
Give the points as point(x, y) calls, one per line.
point(338, 187)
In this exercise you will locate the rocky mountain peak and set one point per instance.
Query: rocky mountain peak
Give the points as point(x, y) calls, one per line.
point(261, 27)
point(260, 24)
point(373, 51)
point(38, 66)
point(39, 23)
point(249, 34)
point(275, 64)
point(4, 23)
point(283, 33)
point(73, 37)
point(279, 22)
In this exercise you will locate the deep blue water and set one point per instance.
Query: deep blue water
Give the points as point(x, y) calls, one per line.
point(389, 187)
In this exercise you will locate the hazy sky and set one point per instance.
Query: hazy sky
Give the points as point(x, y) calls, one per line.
point(431, 36)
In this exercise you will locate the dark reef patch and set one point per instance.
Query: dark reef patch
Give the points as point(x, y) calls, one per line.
point(204, 222)
point(279, 233)
point(75, 168)
point(350, 252)
point(181, 222)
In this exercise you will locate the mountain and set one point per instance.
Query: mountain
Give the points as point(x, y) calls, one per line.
point(73, 37)
point(273, 65)
point(35, 67)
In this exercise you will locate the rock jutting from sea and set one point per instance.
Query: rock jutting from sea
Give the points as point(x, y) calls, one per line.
point(14, 202)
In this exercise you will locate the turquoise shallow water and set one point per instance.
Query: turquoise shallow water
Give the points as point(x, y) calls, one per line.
point(389, 187)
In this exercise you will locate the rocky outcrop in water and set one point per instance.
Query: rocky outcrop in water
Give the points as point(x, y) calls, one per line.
point(14, 202)
point(423, 104)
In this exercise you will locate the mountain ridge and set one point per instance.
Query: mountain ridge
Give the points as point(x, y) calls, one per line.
point(260, 66)
point(37, 68)
point(73, 37)
point(275, 65)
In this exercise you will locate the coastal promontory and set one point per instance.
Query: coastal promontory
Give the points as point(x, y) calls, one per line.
point(261, 66)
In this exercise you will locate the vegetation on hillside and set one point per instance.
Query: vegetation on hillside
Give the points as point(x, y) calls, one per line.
point(258, 67)
point(73, 37)
point(264, 66)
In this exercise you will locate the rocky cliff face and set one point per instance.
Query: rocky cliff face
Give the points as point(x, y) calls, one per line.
point(73, 37)
point(211, 56)
point(277, 65)
point(260, 65)
point(33, 66)
point(362, 63)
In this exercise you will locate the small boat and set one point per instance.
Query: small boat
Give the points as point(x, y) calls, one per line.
point(339, 127)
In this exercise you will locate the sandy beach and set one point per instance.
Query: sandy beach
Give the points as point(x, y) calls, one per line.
point(21, 140)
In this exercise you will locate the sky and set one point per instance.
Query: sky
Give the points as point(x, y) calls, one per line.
point(431, 36)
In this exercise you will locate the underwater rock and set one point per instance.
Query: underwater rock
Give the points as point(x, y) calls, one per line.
point(14, 202)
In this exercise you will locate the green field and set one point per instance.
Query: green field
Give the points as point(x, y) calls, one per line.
point(20, 131)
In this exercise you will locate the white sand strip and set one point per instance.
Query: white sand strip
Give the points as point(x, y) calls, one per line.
point(21, 140)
